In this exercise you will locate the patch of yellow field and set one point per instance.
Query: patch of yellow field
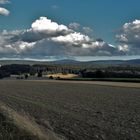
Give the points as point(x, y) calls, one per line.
point(61, 75)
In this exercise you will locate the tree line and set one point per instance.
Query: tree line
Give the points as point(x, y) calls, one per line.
point(108, 72)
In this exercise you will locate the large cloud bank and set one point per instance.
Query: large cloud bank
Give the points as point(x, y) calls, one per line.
point(48, 38)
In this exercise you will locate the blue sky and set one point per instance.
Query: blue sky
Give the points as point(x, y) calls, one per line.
point(104, 17)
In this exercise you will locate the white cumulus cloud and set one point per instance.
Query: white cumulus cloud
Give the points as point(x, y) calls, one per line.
point(72, 38)
point(4, 11)
point(130, 33)
point(46, 26)
point(129, 37)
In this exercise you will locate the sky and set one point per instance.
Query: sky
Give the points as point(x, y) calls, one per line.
point(58, 29)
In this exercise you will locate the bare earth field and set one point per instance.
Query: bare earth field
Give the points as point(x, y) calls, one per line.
point(78, 110)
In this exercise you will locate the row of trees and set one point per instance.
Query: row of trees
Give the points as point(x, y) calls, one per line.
point(16, 69)
point(109, 74)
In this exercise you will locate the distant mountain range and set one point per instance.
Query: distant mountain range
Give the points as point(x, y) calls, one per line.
point(101, 62)
point(73, 62)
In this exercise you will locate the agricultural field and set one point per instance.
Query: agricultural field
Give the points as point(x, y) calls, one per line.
point(75, 110)
point(63, 76)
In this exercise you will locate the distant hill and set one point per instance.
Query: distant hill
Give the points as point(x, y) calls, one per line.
point(66, 61)
point(73, 62)
point(116, 62)
point(8, 62)
point(101, 62)
point(135, 61)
